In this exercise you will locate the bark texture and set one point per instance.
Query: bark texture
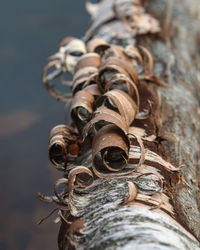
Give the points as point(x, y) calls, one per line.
point(103, 215)
point(180, 112)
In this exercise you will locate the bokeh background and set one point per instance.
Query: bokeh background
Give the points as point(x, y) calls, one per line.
point(30, 32)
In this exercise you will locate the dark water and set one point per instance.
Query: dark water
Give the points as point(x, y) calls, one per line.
point(30, 31)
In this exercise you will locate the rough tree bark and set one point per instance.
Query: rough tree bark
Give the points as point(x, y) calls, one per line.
point(108, 222)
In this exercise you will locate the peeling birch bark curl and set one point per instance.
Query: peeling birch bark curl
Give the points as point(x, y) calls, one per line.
point(110, 152)
point(82, 76)
point(62, 142)
point(119, 101)
point(82, 108)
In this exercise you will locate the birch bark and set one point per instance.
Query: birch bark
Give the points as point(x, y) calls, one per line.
point(110, 222)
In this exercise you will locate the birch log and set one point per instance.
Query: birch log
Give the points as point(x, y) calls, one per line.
point(108, 214)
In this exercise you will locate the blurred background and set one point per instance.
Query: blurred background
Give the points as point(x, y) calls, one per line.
point(30, 32)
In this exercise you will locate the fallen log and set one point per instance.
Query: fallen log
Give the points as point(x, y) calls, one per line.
point(139, 188)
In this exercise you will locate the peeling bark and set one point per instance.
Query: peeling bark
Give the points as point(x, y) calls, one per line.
point(108, 214)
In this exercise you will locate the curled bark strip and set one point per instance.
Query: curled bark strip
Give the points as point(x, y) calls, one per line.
point(149, 183)
point(85, 72)
point(58, 195)
point(93, 90)
point(132, 192)
point(88, 60)
point(60, 205)
point(121, 102)
point(142, 150)
point(148, 66)
point(114, 65)
point(92, 79)
point(154, 201)
point(157, 201)
point(110, 152)
point(98, 46)
point(117, 51)
point(45, 79)
point(62, 216)
point(44, 197)
point(46, 217)
point(147, 103)
point(159, 204)
point(152, 157)
point(65, 82)
point(54, 200)
point(82, 77)
point(106, 50)
point(154, 79)
point(103, 116)
point(63, 142)
point(57, 150)
point(133, 53)
point(63, 130)
point(82, 108)
point(122, 82)
point(80, 176)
